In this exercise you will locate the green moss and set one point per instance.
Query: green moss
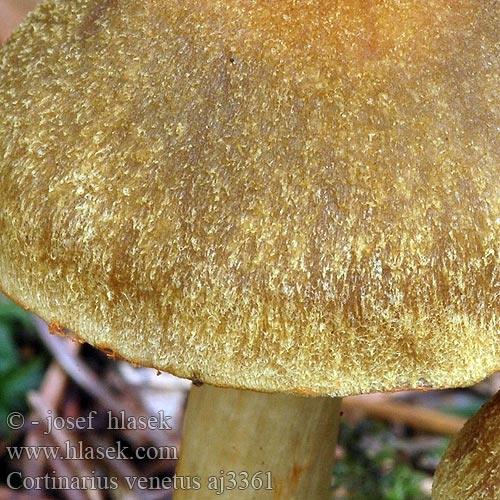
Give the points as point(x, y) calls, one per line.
point(22, 360)
point(373, 467)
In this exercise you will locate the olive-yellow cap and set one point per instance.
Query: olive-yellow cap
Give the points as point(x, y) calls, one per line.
point(297, 196)
point(470, 468)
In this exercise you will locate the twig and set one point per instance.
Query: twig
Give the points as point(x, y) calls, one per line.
point(414, 416)
point(62, 438)
point(87, 380)
point(51, 391)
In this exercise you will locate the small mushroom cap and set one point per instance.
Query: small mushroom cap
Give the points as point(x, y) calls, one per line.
point(296, 196)
point(470, 468)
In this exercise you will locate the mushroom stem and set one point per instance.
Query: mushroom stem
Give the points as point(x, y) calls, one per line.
point(266, 446)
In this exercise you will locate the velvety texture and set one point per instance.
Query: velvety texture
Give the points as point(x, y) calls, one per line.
point(470, 468)
point(291, 196)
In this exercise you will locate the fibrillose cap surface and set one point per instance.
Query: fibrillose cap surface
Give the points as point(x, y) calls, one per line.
point(470, 468)
point(283, 196)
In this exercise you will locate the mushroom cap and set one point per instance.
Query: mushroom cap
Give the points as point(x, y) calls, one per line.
point(282, 196)
point(470, 467)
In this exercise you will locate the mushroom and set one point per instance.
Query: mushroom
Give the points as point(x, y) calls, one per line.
point(275, 199)
point(470, 468)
